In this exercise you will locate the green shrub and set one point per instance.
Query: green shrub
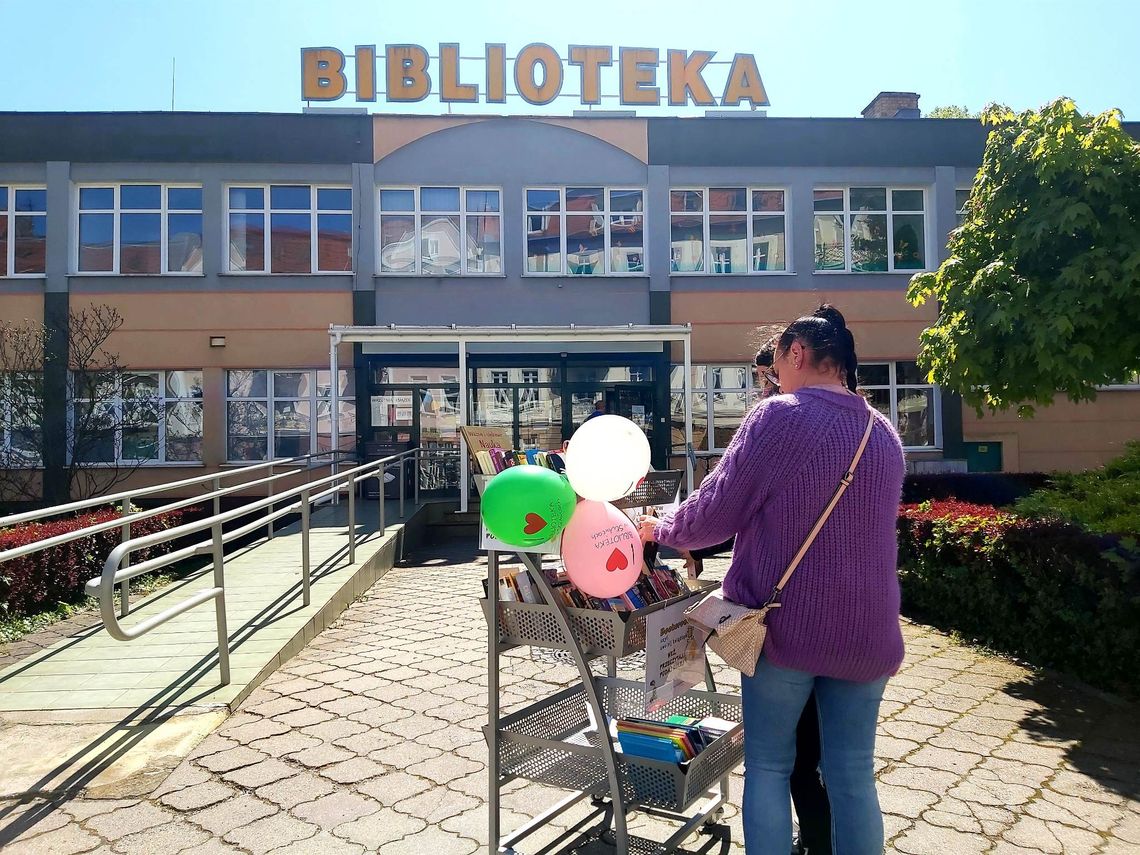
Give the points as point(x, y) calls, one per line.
point(1041, 589)
point(1105, 500)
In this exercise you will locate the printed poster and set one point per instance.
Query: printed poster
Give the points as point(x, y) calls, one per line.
point(674, 655)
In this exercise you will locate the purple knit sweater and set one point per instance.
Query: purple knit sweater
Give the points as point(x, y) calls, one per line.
point(840, 612)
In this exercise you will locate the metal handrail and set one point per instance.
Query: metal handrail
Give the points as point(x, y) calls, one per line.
point(116, 572)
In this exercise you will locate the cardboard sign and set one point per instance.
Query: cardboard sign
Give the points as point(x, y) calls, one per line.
point(674, 655)
point(484, 438)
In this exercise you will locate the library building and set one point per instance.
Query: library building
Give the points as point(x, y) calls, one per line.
point(292, 283)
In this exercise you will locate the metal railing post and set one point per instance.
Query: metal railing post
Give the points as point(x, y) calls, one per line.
point(417, 469)
point(125, 586)
point(380, 479)
point(305, 595)
point(351, 520)
point(402, 475)
point(217, 485)
point(220, 603)
point(269, 487)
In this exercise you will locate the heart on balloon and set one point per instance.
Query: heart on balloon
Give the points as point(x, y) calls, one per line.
point(616, 561)
point(534, 524)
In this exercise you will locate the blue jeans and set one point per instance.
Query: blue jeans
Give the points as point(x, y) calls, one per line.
point(848, 715)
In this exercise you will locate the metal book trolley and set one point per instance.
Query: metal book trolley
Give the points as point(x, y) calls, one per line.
point(563, 740)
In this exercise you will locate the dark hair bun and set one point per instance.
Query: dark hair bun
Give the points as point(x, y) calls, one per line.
point(832, 315)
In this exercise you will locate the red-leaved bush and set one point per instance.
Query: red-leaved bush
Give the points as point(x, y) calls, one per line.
point(941, 509)
point(41, 580)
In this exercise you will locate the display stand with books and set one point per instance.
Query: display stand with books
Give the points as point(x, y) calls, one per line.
point(596, 738)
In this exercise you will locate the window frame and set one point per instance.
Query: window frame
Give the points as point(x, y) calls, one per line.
point(893, 389)
point(847, 213)
point(417, 213)
point(315, 399)
point(606, 214)
point(32, 460)
point(267, 211)
point(9, 215)
point(164, 211)
point(708, 417)
point(748, 212)
point(960, 211)
point(118, 403)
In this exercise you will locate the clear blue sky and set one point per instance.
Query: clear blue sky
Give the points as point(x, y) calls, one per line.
point(817, 57)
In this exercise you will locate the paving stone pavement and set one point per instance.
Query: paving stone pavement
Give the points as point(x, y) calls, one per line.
point(369, 741)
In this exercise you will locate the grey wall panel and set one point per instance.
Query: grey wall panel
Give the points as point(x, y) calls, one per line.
point(504, 301)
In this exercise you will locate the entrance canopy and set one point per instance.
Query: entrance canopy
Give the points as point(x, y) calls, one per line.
point(462, 336)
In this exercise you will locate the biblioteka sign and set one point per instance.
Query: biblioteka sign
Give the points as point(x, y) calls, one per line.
point(539, 74)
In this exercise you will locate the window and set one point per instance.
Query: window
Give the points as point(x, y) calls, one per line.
point(295, 213)
point(870, 230)
point(722, 395)
point(21, 408)
point(728, 230)
point(585, 231)
point(961, 197)
point(440, 231)
point(900, 392)
point(137, 417)
point(139, 229)
point(289, 412)
point(23, 231)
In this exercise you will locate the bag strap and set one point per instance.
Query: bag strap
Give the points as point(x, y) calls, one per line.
point(844, 483)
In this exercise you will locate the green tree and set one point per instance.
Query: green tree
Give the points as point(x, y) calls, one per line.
point(951, 111)
point(1041, 293)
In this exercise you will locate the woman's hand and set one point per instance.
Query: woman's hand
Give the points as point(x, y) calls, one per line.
point(645, 526)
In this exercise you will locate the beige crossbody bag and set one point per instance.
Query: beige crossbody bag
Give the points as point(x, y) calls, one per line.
point(735, 632)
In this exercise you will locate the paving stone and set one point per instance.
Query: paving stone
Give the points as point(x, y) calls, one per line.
point(273, 832)
point(353, 771)
point(301, 787)
point(186, 775)
point(943, 759)
point(321, 755)
point(128, 820)
point(437, 804)
point(170, 837)
point(62, 841)
point(277, 706)
point(903, 801)
point(263, 728)
point(405, 755)
point(286, 743)
point(315, 697)
point(259, 774)
point(333, 729)
point(233, 758)
point(323, 843)
point(335, 809)
point(383, 826)
point(198, 796)
point(927, 839)
point(304, 717)
point(395, 786)
point(433, 840)
point(344, 707)
point(82, 809)
point(444, 768)
point(921, 778)
point(233, 813)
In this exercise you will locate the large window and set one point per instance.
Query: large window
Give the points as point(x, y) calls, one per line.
point(23, 231)
point(722, 395)
point(289, 228)
point(21, 408)
point(440, 231)
point(870, 230)
point(728, 230)
point(900, 391)
point(289, 412)
point(137, 417)
point(149, 229)
point(585, 231)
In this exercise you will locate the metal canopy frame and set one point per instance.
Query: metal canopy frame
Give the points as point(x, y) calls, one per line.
point(461, 336)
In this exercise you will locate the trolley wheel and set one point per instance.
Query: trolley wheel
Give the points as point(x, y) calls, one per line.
point(712, 820)
point(599, 801)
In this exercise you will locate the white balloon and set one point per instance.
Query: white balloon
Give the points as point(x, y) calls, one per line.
point(607, 457)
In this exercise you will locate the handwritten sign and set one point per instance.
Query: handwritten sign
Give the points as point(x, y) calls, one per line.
point(484, 438)
point(674, 655)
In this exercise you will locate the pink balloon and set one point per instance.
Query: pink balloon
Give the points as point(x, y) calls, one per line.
point(601, 550)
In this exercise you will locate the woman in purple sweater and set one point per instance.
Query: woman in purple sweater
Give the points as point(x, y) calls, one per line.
point(837, 630)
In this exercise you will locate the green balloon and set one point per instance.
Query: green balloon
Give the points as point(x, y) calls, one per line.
point(527, 505)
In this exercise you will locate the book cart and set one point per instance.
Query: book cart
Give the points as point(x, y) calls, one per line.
point(563, 740)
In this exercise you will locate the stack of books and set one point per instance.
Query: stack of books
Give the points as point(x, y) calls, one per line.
point(654, 585)
point(678, 739)
point(495, 460)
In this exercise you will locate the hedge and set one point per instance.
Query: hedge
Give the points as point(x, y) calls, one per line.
point(43, 579)
point(1041, 589)
point(987, 488)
